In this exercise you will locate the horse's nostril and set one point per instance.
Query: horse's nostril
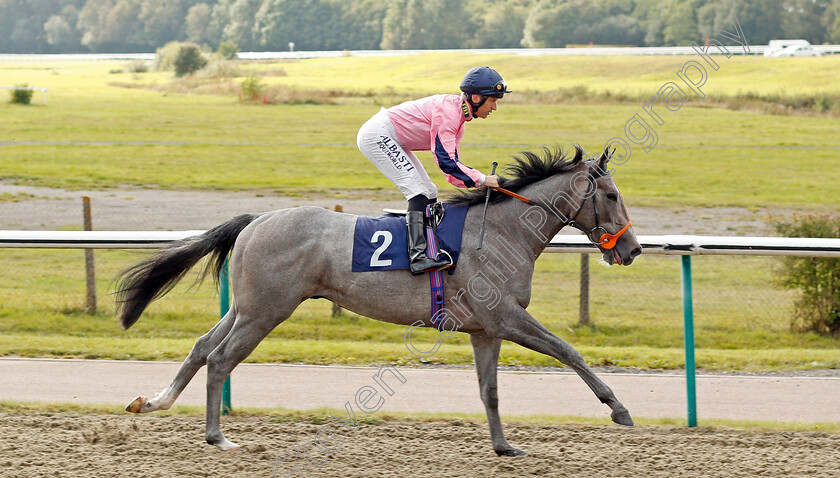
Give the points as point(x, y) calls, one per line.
point(635, 252)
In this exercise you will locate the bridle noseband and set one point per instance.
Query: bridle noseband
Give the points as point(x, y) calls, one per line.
point(606, 240)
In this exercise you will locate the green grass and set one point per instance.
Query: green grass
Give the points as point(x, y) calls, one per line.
point(741, 321)
point(705, 156)
point(321, 415)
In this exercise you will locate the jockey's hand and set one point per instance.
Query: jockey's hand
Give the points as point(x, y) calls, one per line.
point(491, 182)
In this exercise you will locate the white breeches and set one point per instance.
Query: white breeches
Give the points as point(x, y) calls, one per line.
point(377, 140)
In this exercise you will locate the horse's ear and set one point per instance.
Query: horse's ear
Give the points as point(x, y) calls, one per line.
point(605, 157)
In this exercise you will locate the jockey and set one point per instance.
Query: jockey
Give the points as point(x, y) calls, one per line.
point(436, 124)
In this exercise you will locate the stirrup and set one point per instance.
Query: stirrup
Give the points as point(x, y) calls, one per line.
point(428, 265)
point(448, 258)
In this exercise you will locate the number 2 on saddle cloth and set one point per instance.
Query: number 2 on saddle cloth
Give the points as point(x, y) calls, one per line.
point(379, 243)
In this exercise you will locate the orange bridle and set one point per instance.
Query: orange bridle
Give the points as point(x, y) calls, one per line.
point(606, 241)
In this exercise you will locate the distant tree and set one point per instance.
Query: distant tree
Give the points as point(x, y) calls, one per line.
point(804, 19)
point(552, 23)
point(123, 30)
point(240, 26)
point(197, 23)
point(110, 25)
point(219, 19)
point(165, 20)
point(361, 24)
point(502, 26)
point(447, 24)
point(309, 24)
point(93, 18)
point(680, 22)
point(25, 33)
point(617, 29)
point(832, 22)
point(650, 14)
point(60, 30)
point(761, 20)
point(403, 27)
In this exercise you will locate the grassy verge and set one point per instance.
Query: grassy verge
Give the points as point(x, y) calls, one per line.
point(705, 156)
point(321, 415)
point(741, 321)
point(348, 352)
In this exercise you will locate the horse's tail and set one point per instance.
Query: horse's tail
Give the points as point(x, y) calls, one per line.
point(141, 284)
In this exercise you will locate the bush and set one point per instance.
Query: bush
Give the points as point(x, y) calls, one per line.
point(189, 60)
point(138, 66)
point(166, 55)
point(818, 278)
point(221, 69)
point(21, 97)
point(252, 87)
point(228, 50)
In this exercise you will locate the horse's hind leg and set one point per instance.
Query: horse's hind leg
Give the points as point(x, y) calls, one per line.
point(486, 352)
point(195, 360)
point(243, 338)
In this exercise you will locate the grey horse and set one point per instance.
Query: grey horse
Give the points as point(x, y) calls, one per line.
point(279, 259)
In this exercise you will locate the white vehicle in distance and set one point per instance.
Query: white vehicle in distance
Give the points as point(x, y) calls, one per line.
point(775, 48)
point(798, 50)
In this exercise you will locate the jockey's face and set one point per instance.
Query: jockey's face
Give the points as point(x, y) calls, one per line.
point(488, 107)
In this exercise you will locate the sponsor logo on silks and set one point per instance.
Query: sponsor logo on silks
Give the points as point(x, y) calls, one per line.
point(399, 160)
point(466, 109)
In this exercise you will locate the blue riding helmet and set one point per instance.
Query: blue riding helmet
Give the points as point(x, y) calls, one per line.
point(483, 81)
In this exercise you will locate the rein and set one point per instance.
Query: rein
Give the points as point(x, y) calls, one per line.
point(606, 241)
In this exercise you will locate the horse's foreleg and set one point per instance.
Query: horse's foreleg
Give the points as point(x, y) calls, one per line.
point(239, 343)
point(195, 360)
point(486, 352)
point(520, 327)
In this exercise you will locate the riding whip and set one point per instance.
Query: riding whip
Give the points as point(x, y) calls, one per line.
point(484, 217)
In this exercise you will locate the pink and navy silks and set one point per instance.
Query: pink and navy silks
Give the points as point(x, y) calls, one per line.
point(436, 123)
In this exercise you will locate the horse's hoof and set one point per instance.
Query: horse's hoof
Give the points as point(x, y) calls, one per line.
point(229, 446)
point(220, 441)
point(511, 451)
point(136, 406)
point(622, 418)
point(226, 445)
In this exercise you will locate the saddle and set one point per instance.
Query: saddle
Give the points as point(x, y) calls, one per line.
point(379, 243)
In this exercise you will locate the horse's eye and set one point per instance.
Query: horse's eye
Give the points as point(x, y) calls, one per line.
point(612, 196)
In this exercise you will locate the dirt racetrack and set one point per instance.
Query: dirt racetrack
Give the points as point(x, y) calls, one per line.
point(59, 445)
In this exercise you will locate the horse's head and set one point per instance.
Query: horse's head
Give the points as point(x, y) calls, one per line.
point(602, 215)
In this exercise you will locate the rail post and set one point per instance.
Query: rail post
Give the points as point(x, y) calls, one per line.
point(90, 268)
point(224, 306)
point(688, 332)
point(584, 290)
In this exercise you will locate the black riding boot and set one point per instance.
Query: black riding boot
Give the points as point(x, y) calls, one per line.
point(420, 262)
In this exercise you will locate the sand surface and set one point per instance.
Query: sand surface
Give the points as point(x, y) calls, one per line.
point(145, 446)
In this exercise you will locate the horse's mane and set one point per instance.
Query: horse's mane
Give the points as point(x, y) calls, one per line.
point(527, 168)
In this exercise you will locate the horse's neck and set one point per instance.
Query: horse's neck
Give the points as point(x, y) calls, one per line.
point(535, 226)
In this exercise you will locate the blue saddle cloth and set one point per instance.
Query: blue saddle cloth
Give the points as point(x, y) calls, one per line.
point(381, 243)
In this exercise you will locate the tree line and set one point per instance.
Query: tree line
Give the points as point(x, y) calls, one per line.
point(104, 26)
